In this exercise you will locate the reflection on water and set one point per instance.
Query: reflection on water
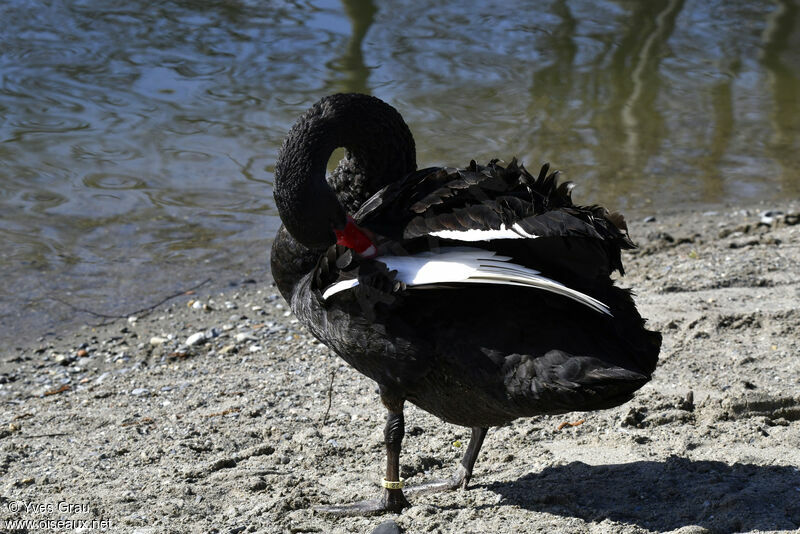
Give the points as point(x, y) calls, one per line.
point(137, 140)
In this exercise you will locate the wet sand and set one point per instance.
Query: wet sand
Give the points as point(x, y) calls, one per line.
point(253, 422)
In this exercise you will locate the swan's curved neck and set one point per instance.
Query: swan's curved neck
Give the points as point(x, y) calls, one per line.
point(380, 149)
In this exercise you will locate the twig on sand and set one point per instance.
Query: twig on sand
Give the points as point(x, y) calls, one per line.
point(330, 397)
point(223, 412)
point(62, 389)
point(140, 312)
point(571, 423)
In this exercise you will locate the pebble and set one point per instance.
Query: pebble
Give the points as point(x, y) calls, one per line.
point(387, 527)
point(244, 336)
point(650, 219)
point(157, 341)
point(258, 484)
point(63, 359)
point(140, 392)
point(771, 213)
point(196, 339)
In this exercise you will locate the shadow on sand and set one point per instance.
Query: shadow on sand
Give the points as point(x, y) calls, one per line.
point(664, 495)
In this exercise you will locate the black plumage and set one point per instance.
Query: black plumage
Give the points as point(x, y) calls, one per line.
point(473, 354)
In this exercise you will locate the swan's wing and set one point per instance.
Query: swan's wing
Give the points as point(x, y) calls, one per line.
point(505, 209)
point(466, 265)
point(490, 197)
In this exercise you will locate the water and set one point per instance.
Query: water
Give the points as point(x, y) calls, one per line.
point(138, 139)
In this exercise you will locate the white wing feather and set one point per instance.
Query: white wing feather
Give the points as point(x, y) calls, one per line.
point(469, 265)
point(515, 232)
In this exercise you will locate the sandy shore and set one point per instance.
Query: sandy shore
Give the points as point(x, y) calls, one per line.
point(212, 414)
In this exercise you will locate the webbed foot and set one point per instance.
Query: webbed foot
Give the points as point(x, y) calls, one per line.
point(392, 501)
point(459, 479)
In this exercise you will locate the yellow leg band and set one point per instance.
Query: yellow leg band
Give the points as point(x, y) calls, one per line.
point(398, 484)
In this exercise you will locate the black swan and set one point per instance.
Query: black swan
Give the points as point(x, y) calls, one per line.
point(480, 294)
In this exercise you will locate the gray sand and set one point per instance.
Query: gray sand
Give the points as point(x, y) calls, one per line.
point(231, 434)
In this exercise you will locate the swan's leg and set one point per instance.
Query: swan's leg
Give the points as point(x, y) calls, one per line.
point(391, 500)
point(393, 434)
point(464, 471)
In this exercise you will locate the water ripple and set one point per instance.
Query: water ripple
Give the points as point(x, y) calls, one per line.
point(212, 200)
point(113, 181)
